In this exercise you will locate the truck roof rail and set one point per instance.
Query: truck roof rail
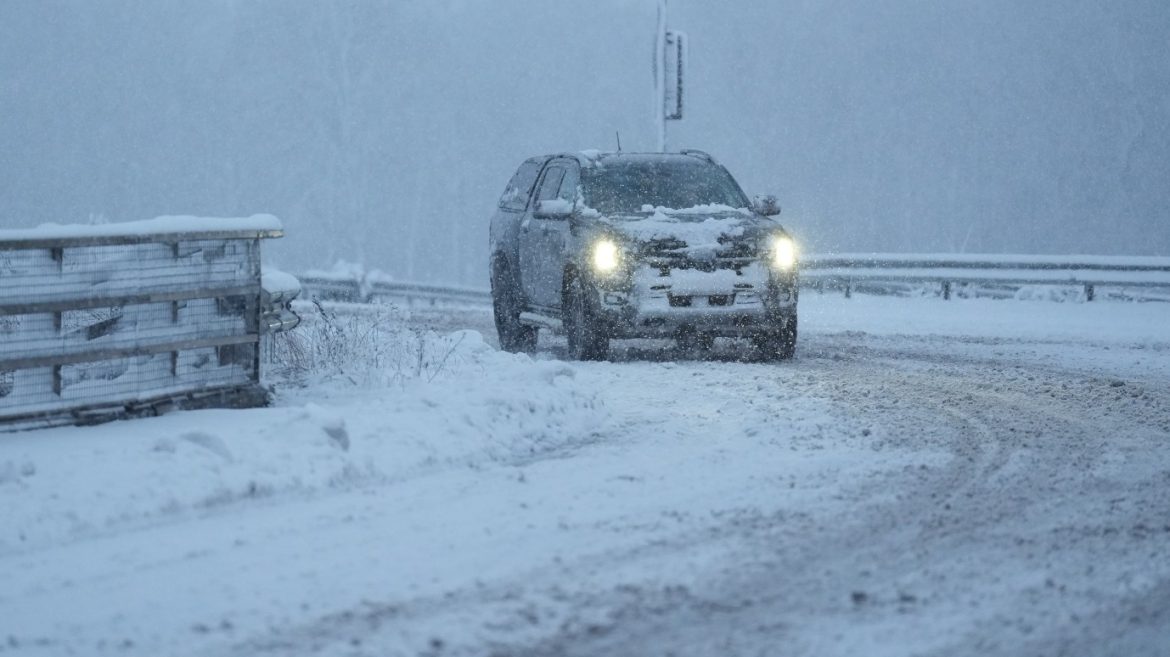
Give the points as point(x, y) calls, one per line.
point(580, 157)
point(702, 155)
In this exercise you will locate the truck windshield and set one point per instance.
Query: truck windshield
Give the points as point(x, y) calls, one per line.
point(623, 187)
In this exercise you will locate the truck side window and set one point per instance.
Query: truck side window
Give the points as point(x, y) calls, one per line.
point(519, 188)
point(551, 184)
point(569, 184)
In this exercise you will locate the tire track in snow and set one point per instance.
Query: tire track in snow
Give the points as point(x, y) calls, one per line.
point(989, 429)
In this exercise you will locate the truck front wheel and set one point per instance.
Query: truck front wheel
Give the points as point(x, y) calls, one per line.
point(586, 335)
point(514, 336)
point(778, 343)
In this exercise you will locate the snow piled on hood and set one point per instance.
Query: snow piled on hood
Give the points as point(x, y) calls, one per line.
point(688, 225)
point(713, 208)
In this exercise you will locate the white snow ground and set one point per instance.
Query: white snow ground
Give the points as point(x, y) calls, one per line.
point(968, 477)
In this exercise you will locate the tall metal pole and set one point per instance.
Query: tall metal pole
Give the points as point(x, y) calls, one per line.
point(660, 77)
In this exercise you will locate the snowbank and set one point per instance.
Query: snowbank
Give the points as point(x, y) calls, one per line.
point(344, 432)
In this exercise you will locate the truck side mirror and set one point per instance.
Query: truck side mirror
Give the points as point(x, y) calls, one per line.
point(553, 208)
point(766, 205)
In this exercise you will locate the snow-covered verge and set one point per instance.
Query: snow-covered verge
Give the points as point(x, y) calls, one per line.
point(996, 258)
point(926, 477)
point(1024, 319)
point(344, 422)
point(1114, 339)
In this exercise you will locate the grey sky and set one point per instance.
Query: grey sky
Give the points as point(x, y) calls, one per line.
point(384, 131)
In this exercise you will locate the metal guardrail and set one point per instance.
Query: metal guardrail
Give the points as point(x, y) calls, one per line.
point(355, 290)
point(845, 272)
point(129, 319)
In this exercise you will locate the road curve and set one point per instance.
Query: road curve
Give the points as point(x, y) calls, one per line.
point(877, 495)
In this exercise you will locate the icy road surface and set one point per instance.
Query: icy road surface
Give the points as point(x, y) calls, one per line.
point(926, 478)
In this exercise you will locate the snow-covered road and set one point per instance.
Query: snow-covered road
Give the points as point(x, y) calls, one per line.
point(926, 478)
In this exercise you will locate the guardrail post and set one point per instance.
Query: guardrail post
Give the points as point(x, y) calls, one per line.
point(1089, 292)
point(946, 290)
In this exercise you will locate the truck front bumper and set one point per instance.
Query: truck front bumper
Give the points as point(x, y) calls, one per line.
point(726, 302)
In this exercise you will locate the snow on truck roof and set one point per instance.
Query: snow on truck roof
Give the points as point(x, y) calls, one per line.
point(594, 157)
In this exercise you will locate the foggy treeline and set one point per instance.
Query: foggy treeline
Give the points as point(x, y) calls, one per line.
point(383, 131)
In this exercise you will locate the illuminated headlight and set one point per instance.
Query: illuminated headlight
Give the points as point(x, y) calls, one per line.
point(605, 256)
point(783, 252)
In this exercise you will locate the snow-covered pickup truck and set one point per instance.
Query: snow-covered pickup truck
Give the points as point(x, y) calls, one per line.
point(628, 245)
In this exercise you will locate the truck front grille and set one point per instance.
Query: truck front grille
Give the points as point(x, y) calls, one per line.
point(665, 264)
point(688, 301)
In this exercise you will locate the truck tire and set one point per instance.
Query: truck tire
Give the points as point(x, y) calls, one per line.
point(514, 336)
point(586, 336)
point(694, 344)
point(779, 343)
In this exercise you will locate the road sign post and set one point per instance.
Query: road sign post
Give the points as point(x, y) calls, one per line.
point(670, 64)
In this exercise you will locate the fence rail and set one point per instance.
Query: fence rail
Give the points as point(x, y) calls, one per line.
point(845, 272)
point(99, 322)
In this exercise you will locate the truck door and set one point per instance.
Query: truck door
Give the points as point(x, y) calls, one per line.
point(542, 240)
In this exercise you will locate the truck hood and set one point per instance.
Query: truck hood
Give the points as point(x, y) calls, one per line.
point(700, 233)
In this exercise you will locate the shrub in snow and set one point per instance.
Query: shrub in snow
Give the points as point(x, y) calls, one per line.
point(374, 346)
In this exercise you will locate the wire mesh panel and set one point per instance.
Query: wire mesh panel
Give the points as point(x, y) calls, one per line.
point(92, 326)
